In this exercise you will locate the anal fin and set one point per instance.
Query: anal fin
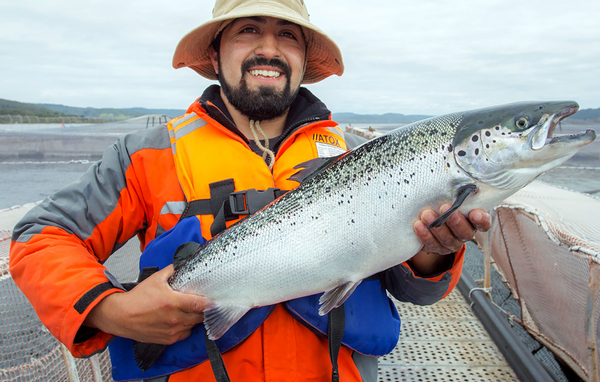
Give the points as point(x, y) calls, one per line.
point(220, 317)
point(336, 296)
point(461, 195)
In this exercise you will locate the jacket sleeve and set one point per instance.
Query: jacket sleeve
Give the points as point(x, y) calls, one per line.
point(58, 247)
point(407, 286)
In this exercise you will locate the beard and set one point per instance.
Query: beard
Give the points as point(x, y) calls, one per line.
point(262, 104)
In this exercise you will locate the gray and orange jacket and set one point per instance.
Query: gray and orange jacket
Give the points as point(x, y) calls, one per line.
point(58, 248)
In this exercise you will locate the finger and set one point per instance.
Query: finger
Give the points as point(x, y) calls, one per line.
point(459, 225)
point(481, 220)
point(442, 234)
point(430, 243)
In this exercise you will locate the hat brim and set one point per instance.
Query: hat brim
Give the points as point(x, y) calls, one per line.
point(323, 56)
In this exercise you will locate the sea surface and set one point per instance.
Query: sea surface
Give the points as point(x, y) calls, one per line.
point(27, 180)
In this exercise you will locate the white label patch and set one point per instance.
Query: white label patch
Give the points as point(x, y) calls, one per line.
point(325, 150)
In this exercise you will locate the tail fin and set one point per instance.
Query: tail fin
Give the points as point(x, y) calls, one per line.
point(146, 355)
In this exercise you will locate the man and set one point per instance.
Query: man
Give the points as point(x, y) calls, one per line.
point(261, 52)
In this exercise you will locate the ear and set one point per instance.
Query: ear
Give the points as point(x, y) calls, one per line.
point(214, 58)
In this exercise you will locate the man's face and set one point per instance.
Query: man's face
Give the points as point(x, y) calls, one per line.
point(260, 65)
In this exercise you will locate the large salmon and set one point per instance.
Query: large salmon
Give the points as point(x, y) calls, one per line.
point(353, 216)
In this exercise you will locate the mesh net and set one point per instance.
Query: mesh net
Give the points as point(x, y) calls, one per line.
point(28, 352)
point(545, 241)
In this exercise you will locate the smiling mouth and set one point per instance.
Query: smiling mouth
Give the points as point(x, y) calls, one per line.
point(265, 73)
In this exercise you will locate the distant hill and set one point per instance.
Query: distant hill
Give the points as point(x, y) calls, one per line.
point(53, 110)
point(110, 112)
point(586, 114)
point(18, 108)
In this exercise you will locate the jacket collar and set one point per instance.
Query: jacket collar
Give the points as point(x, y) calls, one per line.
point(305, 109)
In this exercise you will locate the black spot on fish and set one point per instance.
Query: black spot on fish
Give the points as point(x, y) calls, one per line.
point(448, 164)
point(497, 127)
point(480, 122)
point(461, 153)
point(406, 181)
point(450, 147)
point(487, 146)
point(352, 220)
point(432, 170)
point(488, 134)
point(476, 151)
point(475, 138)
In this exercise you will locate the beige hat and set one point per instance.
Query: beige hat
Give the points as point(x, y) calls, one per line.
point(324, 57)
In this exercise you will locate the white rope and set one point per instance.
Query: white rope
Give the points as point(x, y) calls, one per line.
point(265, 148)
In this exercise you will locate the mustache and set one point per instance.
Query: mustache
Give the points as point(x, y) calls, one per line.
point(258, 61)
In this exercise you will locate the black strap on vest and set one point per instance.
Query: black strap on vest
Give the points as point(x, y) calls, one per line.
point(216, 360)
point(225, 204)
point(335, 329)
point(219, 193)
point(335, 332)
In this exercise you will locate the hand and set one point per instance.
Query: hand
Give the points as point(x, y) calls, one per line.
point(152, 312)
point(446, 239)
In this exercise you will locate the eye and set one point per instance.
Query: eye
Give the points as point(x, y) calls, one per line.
point(522, 123)
point(248, 30)
point(288, 35)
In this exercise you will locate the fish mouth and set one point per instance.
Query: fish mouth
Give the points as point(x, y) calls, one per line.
point(584, 137)
point(542, 134)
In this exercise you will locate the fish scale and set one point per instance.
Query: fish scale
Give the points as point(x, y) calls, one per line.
point(354, 216)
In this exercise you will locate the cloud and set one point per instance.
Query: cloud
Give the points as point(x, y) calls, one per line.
point(426, 57)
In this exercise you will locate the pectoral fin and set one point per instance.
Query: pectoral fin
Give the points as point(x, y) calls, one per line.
point(220, 317)
point(184, 252)
point(145, 355)
point(461, 195)
point(336, 296)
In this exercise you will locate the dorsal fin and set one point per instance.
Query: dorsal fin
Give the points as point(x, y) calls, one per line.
point(184, 252)
point(312, 167)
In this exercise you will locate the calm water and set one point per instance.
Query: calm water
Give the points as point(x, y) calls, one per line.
point(25, 181)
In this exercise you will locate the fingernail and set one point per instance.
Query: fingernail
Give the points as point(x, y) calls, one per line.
point(477, 217)
point(444, 208)
point(420, 227)
point(428, 217)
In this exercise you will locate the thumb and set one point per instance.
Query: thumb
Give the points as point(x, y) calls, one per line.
point(193, 303)
point(163, 275)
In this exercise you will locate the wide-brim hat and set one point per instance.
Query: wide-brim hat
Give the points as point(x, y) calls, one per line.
point(323, 55)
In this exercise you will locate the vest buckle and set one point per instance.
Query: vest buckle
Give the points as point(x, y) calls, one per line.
point(247, 202)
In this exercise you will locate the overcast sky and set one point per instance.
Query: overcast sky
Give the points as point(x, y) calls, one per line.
point(411, 57)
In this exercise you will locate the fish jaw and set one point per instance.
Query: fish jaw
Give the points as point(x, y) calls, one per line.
point(519, 146)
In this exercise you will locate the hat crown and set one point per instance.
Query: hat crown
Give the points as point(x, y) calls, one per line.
point(224, 7)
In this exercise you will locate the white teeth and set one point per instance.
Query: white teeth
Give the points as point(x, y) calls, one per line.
point(265, 73)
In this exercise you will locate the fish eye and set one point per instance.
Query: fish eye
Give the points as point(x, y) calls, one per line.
point(522, 123)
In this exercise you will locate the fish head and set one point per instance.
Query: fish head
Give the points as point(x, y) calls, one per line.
point(509, 146)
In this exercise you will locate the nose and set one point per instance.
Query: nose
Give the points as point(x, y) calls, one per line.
point(267, 46)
